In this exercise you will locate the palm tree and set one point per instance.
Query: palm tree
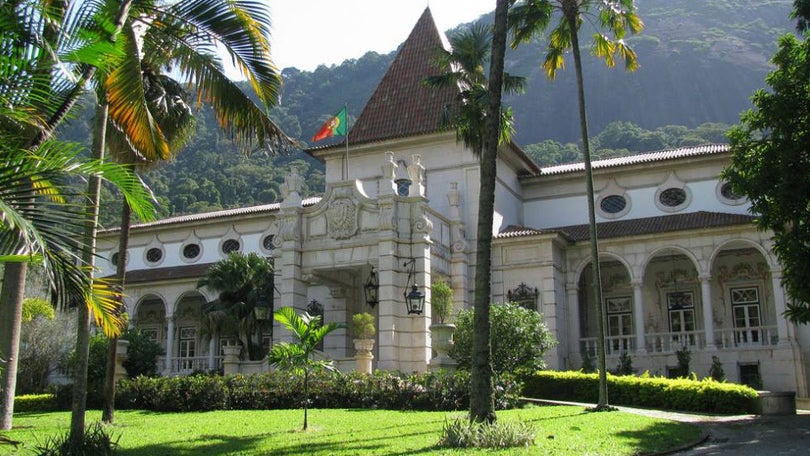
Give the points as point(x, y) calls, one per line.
point(241, 280)
point(39, 222)
point(482, 125)
point(147, 108)
point(309, 331)
point(617, 17)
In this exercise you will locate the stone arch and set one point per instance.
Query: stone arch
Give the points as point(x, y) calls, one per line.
point(701, 268)
point(737, 243)
point(151, 302)
point(603, 257)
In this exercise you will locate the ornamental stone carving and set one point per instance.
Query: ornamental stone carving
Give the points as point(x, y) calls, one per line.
point(341, 218)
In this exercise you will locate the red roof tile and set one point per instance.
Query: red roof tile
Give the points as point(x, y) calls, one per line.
point(402, 105)
point(638, 227)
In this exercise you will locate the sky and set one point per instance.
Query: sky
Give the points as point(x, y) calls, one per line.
point(308, 33)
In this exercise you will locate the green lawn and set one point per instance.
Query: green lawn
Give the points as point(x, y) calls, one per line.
point(560, 431)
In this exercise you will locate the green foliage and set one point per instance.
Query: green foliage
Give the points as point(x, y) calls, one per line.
point(704, 396)
point(45, 345)
point(625, 366)
point(441, 300)
point(463, 433)
point(242, 281)
point(282, 390)
point(519, 338)
point(716, 371)
point(142, 354)
point(363, 325)
point(770, 164)
point(35, 403)
point(96, 440)
point(684, 358)
point(35, 307)
point(588, 362)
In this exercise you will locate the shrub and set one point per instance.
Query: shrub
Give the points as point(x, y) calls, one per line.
point(462, 433)
point(282, 390)
point(588, 363)
point(36, 307)
point(45, 345)
point(95, 441)
point(35, 403)
point(363, 325)
point(142, 354)
point(519, 338)
point(706, 396)
point(441, 300)
point(625, 366)
point(684, 357)
point(716, 371)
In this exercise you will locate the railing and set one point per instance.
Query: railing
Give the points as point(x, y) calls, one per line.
point(185, 366)
point(672, 342)
point(614, 345)
point(754, 336)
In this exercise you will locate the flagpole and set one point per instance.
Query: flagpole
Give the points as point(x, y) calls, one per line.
point(346, 161)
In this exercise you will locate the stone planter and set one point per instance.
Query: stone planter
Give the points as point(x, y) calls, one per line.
point(363, 355)
point(441, 335)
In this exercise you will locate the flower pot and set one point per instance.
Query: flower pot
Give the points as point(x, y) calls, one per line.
point(441, 335)
point(363, 355)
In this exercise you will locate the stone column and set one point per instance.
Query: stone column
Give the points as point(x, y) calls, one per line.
point(574, 331)
point(212, 353)
point(169, 343)
point(122, 346)
point(458, 251)
point(230, 365)
point(779, 306)
point(388, 273)
point(708, 314)
point(293, 289)
point(638, 316)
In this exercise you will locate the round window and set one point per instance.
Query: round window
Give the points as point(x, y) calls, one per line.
point(728, 193)
point(191, 251)
point(154, 255)
point(613, 204)
point(267, 242)
point(672, 197)
point(231, 245)
point(114, 258)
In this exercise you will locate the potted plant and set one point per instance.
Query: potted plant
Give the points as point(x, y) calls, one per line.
point(441, 333)
point(364, 330)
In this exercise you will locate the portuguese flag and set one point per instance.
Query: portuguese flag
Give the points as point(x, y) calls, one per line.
point(336, 125)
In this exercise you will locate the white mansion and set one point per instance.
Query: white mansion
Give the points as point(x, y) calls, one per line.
point(682, 263)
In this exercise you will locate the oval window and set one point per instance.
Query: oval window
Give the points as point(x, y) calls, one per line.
point(613, 204)
point(231, 245)
point(267, 242)
point(728, 192)
point(154, 255)
point(191, 251)
point(672, 197)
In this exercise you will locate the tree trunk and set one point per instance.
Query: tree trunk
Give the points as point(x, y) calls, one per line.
point(571, 13)
point(306, 396)
point(79, 405)
point(11, 302)
point(108, 414)
point(482, 402)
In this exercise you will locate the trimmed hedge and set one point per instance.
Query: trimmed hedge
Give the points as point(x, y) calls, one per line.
point(282, 390)
point(35, 403)
point(706, 396)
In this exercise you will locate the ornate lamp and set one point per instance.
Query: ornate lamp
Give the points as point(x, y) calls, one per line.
point(415, 299)
point(262, 308)
point(372, 289)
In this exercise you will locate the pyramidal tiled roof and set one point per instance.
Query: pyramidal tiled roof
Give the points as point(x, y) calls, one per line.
point(402, 105)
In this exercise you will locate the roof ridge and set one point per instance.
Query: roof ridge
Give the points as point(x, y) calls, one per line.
point(646, 157)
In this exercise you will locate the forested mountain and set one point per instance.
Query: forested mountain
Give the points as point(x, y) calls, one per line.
point(700, 62)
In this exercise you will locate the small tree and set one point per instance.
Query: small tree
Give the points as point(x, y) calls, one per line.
point(441, 299)
point(297, 356)
point(142, 354)
point(519, 338)
point(45, 344)
point(625, 366)
point(684, 357)
point(716, 371)
point(363, 326)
